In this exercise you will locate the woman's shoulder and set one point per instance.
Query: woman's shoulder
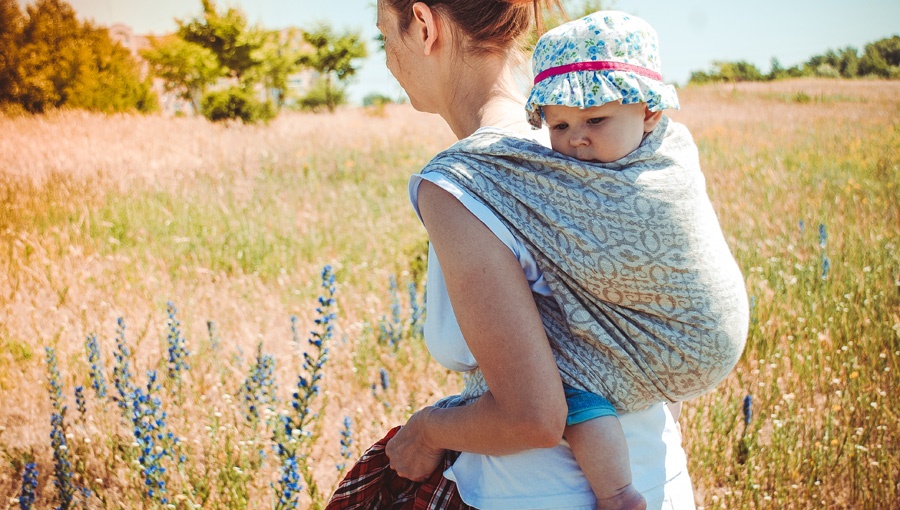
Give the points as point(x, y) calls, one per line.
point(479, 148)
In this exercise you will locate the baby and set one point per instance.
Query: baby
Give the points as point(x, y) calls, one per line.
point(599, 91)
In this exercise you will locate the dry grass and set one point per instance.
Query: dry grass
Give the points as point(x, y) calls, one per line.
point(107, 217)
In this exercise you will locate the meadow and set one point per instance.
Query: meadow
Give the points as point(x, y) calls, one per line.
point(200, 272)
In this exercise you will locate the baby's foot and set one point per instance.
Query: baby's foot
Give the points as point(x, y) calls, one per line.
point(626, 498)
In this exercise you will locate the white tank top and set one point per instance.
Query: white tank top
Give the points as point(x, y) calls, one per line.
point(546, 478)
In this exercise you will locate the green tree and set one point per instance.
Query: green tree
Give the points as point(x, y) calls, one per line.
point(186, 68)
point(108, 78)
point(49, 55)
point(63, 62)
point(235, 103)
point(881, 58)
point(738, 71)
point(332, 56)
point(777, 71)
point(227, 36)
point(279, 56)
point(849, 62)
point(11, 23)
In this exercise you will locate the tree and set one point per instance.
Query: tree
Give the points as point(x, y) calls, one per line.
point(738, 71)
point(63, 62)
point(849, 62)
point(108, 78)
point(11, 23)
point(49, 55)
point(186, 68)
point(279, 56)
point(881, 58)
point(227, 36)
point(332, 55)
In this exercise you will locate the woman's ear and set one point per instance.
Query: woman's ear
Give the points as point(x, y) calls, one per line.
point(426, 26)
point(651, 119)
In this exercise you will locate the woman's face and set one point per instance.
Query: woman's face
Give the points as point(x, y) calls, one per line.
point(401, 57)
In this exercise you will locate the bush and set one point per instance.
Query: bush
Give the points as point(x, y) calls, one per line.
point(827, 71)
point(376, 99)
point(322, 96)
point(235, 103)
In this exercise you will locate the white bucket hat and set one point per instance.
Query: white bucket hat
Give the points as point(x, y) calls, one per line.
point(603, 57)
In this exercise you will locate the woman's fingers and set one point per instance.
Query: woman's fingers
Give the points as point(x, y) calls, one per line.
point(410, 455)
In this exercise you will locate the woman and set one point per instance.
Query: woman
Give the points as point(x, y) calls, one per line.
point(458, 58)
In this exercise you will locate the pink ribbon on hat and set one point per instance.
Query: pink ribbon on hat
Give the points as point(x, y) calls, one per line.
point(597, 65)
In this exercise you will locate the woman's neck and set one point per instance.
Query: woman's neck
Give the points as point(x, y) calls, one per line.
point(488, 95)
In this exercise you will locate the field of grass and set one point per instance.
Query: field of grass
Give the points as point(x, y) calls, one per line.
point(108, 218)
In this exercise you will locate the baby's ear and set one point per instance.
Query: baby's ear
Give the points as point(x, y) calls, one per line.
point(651, 119)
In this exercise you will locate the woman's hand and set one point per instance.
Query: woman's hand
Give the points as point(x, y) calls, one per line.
point(411, 455)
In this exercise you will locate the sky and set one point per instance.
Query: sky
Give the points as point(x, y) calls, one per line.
point(693, 33)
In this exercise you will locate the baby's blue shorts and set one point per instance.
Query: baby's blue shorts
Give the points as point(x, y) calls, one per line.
point(584, 406)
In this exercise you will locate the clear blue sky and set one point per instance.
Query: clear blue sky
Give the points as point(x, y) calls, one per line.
point(693, 33)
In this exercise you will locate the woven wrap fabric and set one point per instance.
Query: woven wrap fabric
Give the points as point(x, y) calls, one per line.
point(371, 484)
point(648, 303)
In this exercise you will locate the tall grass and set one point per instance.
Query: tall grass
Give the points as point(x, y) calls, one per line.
point(104, 218)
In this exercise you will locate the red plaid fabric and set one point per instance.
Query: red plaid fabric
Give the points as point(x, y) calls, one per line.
point(372, 485)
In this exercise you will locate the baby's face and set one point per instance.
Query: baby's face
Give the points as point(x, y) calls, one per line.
point(600, 133)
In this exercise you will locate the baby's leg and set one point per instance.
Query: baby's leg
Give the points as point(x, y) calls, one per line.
point(601, 452)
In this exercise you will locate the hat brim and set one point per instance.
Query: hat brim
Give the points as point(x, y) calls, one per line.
point(586, 89)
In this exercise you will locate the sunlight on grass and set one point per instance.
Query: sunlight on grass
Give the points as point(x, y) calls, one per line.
point(104, 218)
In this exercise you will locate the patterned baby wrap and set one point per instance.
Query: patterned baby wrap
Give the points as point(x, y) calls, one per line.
point(648, 304)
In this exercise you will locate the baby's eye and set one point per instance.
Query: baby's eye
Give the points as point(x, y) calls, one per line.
point(595, 120)
point(559, 127)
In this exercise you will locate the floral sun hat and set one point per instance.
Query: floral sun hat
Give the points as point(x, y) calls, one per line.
point(603, 57)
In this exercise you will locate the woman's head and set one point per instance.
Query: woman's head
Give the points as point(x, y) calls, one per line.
point(485, 25)
point(454, 57)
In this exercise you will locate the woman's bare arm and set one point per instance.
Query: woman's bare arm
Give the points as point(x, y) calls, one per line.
point(498, 317)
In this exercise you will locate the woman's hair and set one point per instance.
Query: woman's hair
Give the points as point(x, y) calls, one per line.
point(490, 25)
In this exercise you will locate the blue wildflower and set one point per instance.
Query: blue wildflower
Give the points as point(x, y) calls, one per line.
point(392, 330)
point(29, 486)
point(98, 380)
point(826, 265)
point(823, 236)
point(417, 311)
point(753, 309)
point(385, 379)
point(62, 466)
point(122, 376)
point(259, 388)
point(293, 429)
point(154, 442)
point(346, 443)
point(80, 403)
point(295, 332)
point(748, 409)
point(177, 345)
point(288, 487)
